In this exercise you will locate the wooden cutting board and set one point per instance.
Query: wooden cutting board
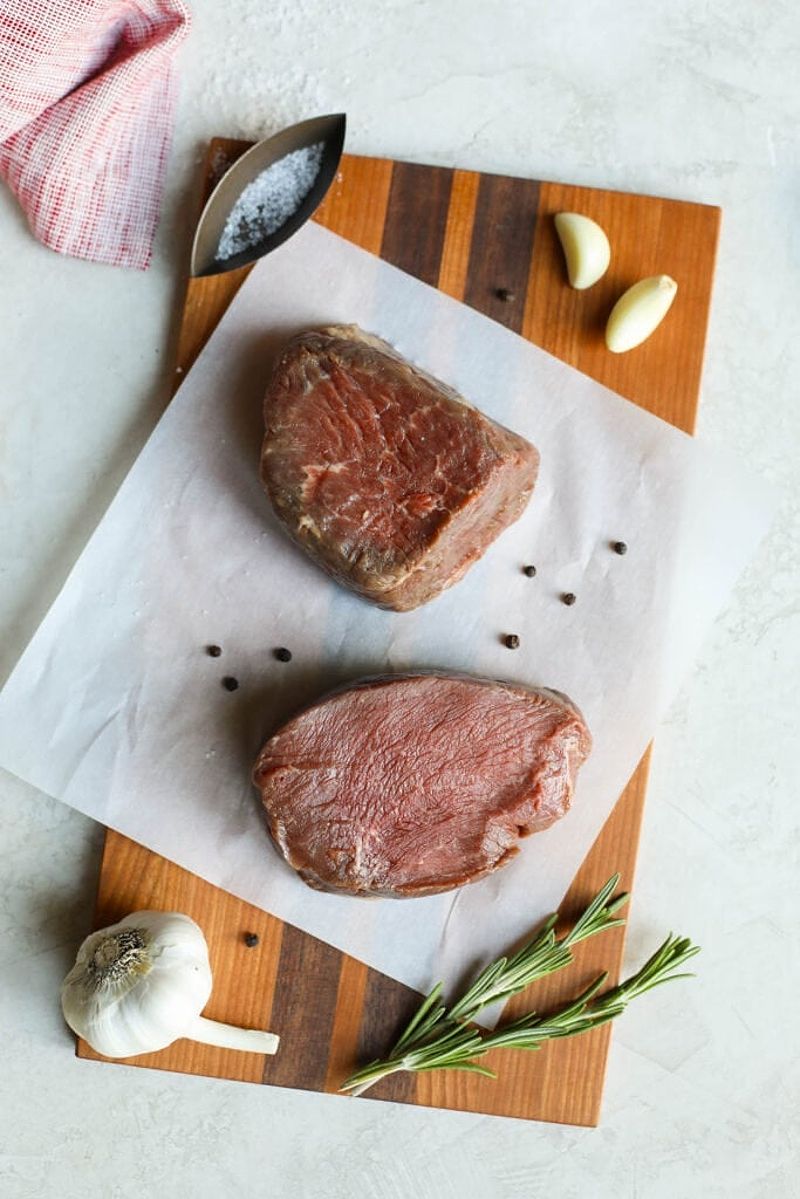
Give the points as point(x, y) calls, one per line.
point(488, 240)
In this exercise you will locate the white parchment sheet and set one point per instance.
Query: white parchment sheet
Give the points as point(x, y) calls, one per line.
point(116, 709)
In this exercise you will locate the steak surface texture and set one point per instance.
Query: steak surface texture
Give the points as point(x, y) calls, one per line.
point(418, 783)
point(385, 476)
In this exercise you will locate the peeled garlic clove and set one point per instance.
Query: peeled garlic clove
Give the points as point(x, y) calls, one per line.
point(639, 312)
point(585, 247)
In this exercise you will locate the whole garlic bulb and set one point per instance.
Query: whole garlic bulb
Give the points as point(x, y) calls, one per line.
point(139, 985)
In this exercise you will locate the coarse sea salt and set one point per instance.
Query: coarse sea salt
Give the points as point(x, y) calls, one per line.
point(267, 203)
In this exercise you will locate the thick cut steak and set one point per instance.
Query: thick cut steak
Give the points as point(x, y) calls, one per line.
point(385, 476)
point(420, 783)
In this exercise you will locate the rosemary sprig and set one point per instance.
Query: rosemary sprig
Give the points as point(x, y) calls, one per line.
point(585, 1012)
point(541, 956)
point(438, 1038)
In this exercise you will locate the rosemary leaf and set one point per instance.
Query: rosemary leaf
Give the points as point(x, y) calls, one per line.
point(423, 1021)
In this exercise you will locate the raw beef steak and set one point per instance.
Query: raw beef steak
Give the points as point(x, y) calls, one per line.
point(420, 783)
point(385, 476)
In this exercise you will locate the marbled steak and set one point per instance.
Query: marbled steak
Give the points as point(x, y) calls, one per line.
point(384, 475)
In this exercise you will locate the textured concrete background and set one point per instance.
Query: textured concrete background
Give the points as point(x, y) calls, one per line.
point(693, 100)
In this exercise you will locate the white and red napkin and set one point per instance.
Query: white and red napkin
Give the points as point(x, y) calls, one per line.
point(86, 109)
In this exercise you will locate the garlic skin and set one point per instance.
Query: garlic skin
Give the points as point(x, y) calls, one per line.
point(639, 312)
point(586, 248)
point(139, 985)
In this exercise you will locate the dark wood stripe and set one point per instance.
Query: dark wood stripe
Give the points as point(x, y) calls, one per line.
point(302, 1010)
point(416, 218)
point(388, 1007)
point(502, 244)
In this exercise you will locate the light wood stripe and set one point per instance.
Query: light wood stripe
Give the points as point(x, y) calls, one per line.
point(343, 1057)
point(458, 234)
point(343, 210)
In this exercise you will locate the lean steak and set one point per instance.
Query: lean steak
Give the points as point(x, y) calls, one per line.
point(418, 783)
point(385, 476)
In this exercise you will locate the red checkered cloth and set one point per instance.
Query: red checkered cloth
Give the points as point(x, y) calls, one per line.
point(86, 106)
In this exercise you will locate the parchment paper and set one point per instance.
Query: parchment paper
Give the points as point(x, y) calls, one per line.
point(116, 708)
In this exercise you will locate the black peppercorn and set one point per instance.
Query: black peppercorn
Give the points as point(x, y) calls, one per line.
point(230, 683)
point(619, 547)
point(530, 571)
point(213, 651)
point(505, 294)
point(568, 598)
point(251, 940)
point(511, 641)
point(283, 654)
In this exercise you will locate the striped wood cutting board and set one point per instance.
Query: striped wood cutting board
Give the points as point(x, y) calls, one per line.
point(470, 235)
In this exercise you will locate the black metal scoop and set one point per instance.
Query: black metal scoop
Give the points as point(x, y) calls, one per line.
point(329, 130)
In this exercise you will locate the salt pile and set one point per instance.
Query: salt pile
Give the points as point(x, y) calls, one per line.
point(269, 201)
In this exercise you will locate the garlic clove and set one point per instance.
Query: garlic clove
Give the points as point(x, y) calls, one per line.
point(586, 248)
point(639, 312)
